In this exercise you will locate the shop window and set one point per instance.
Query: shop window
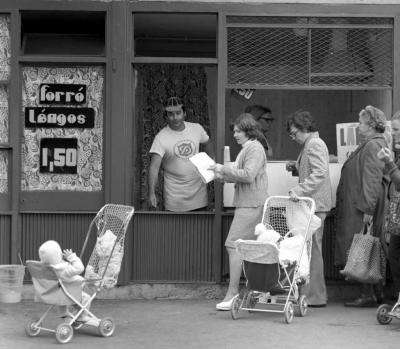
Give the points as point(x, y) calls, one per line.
point(310, 51)
point(5, 51)
point(155, 83)
point(63, 33)
point(4, 171)
point(328, 108)
point(62, 144)
point(4, 114)
point(175, 35)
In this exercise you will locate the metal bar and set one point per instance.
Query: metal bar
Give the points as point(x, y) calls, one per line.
point(396, 65)
point(305, 87)
point(220, 142)
point(309, 26)
point(264, 310)
point(62, 59)
point(183, 60)
point(15, 135)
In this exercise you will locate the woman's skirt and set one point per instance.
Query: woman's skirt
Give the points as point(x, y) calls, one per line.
point(243, 224)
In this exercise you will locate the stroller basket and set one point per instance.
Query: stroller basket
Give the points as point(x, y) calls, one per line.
point(110, 225)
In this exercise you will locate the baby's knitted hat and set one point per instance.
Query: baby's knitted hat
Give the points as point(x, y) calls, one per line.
point(50, 252)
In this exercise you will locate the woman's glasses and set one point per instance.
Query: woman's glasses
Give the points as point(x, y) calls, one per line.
point(293, 134)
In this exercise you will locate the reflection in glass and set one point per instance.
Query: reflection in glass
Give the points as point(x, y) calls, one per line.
point(5, 47)
point(3, 172)
point(3, 114)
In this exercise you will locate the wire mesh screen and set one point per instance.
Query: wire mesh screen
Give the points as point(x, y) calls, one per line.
point(345, 56)
point(110, 224)
point(283, 214)
point(267, 56)
point(310, 51)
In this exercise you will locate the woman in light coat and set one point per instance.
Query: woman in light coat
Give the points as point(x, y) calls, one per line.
point(251, 191)
point(312, 167)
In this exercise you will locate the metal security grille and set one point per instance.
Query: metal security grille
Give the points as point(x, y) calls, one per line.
point(266, 56)
point(314, 52)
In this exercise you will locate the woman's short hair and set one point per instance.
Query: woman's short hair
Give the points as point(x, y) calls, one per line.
point(396, 115)
point(246, 123)
point(302, 120)
point(374, 117)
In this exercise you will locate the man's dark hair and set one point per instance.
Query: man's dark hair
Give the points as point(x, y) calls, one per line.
point(257, 110)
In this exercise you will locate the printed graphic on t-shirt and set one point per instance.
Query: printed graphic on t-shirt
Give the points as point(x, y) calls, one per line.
point(184, 149)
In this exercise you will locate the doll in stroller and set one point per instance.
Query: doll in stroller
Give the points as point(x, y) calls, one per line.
point(57, 282)
point(277, 263)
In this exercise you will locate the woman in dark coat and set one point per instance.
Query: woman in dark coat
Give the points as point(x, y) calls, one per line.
point(361, 193)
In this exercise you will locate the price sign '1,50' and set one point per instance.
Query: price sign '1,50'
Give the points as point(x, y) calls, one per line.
point(58, 155)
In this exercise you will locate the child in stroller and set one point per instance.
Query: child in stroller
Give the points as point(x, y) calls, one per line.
point(277, 263)
point(58, 283)
point(68, 267)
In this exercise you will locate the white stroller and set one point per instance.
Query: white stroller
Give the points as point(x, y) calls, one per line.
point(386, 312)
point(102, 270)
point(272, 280)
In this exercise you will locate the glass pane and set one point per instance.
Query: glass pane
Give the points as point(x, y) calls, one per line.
point(79, 164)
point(3, 114)
point(3, 172)
point(5, 47)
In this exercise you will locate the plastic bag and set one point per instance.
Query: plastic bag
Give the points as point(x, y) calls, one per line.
point(266, 235)
point(290, 248)
point(289, 252)
point(297, 219)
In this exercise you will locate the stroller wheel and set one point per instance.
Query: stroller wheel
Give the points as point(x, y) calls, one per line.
point(106, 327)
point(64, 333)
point(235, 308)
point(289, 312)
point(31, 328)
point(250, 301)
point(303, 305)
point(382, 314)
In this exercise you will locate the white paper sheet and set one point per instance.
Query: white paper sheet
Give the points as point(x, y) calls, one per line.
point(202, 162)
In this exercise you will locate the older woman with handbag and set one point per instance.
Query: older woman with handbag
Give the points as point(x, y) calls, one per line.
point(361, 192)
point(393, 214)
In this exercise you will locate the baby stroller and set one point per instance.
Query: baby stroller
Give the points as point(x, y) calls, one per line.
point(272, 280)
point(110, 224)
point(386, 313)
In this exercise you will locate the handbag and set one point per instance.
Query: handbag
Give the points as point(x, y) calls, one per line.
point(366, 260)
point(392, 217)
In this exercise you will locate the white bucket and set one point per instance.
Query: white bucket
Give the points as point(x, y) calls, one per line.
point(11, 281)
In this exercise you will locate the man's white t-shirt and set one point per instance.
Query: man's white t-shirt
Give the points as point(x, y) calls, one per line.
point(183, 188)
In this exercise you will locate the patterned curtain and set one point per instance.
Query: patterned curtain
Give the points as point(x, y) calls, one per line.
point(155, 84)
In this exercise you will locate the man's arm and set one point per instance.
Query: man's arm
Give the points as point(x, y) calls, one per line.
point(209, 149)
point(153, 177)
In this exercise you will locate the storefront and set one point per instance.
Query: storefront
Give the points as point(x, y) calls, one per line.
point(82, 87)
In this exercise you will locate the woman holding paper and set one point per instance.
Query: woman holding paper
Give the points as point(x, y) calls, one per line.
point(251, 190)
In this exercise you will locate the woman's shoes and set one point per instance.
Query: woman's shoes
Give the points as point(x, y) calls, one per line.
point(227, 305)
point(363, 302)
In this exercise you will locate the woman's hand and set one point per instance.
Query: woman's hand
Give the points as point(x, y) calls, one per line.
point(293, 196)
point(290, 166)
point(385, 155)
point(217, 168)
point(367, 218)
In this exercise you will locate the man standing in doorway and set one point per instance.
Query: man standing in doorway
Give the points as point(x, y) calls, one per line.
point(263, 116)
point(172, 147)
